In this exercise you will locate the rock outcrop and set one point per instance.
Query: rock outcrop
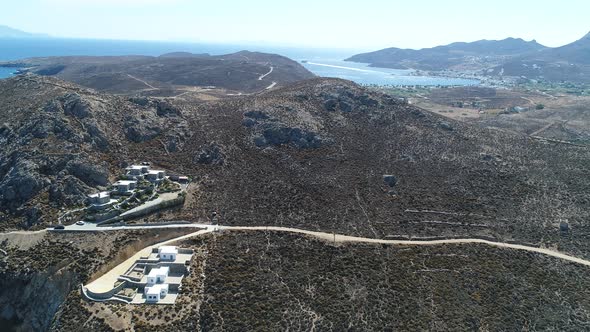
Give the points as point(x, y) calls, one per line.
point(210, 154)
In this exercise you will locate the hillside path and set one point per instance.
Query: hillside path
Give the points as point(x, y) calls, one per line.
point(339, 238)
point(264, 75)
point(106, 282)
point(142, 81)
point(347, 238)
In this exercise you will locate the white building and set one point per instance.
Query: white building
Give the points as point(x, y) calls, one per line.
point(158, 275)
point(137, 169)
point(124, 186)
point(168, 253)
point(100, 198)
point(156, 292)
point(155, 175)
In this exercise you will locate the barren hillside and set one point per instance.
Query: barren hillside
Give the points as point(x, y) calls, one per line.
point(171, 74)
point(321, 154)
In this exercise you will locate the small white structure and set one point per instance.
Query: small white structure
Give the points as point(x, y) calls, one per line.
point(158, 275)
point(101, 201)
point(156, 292)
point(156, 175)
point(137, 172)
point(168, 253)
point(99, 198)
point(137, 169)
point(124, 186)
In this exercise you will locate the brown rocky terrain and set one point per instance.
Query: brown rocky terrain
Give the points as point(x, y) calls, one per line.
point(556, 114)
point(322, 154)
point(277, 282)
point(313, 155)
point(62, 142)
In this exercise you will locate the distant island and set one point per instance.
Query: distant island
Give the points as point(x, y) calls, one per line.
point(8, 32)
point(511, 57)
point(170, 74)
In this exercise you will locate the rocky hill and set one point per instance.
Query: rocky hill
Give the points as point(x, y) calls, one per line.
point(63, 142)
point(455, 56)
point(567, 63)
point(504, 58)
point(170, 74)
point(321, 154)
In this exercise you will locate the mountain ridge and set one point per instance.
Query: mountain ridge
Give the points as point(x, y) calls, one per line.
point(454, 55)
point(510, 57)
point(9, 32)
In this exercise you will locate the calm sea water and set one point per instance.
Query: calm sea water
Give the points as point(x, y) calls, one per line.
point(322, 62)
point(363, 74)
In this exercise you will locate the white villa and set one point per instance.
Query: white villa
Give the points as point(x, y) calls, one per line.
point(156, 288)
point(155, 292)
point(158, 275)
point(153, 278)
point(156, 175)
point(137, 169)
point(100, 198)
point(125, 186)
point(167, 253)
point(137, 172)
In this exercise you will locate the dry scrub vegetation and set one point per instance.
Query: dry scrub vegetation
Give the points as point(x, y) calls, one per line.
point(276, 281)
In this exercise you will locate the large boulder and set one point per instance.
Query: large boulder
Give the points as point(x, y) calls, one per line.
point(251, 118)
point(210, 154)
point(20, 183)
point(95, 134)
point(54, 106)
point(277, 134)
point(141, 130)
point(164, 108)
point(68, 191)
point(389, 180)
point(75, 106)
point(257, 115)
point(91, 174)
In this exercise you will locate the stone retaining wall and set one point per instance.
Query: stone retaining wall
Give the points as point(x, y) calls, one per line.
point(105, 295)
point(162, 205)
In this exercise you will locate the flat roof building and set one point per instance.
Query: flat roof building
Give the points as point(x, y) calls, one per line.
point(168, 253)
point(137, 169)
point(155, 175)
point(158, 275)
point(100, 198)
point(156, 292)
point(125, 185)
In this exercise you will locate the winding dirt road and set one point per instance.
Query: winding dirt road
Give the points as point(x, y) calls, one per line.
point(142, 81)
point(264, 75)
point(321, 235)
point(105, 282)
point(346, 238)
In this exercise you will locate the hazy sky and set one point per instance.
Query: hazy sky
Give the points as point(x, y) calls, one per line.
point(366, 24)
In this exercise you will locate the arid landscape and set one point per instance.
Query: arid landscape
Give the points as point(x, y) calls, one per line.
point(384, 166)
point(323, 154)
point(179, 75)
point(245, 280)
point(552, 114)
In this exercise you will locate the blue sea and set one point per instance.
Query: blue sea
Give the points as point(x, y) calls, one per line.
point(322, 62)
